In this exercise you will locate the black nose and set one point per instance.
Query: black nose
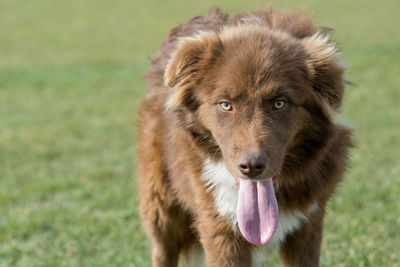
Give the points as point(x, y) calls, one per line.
point(252, 166)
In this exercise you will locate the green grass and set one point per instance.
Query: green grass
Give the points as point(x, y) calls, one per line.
point(70, 84)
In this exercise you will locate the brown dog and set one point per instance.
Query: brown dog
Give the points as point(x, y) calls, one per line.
point(239, 149)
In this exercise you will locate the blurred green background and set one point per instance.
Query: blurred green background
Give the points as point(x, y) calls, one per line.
point(70, 84)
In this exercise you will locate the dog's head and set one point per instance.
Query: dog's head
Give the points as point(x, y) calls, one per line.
point(250, 94)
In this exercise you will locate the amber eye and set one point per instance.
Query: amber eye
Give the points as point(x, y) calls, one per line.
point(279, 104)
point(225, 106)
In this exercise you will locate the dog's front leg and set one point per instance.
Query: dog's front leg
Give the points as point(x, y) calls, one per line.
point(222, 246)
point(302, 248)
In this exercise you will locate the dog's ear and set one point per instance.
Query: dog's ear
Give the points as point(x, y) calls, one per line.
point(324, 69)
point(192, 56)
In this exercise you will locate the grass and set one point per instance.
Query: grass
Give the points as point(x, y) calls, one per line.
point(70, 84)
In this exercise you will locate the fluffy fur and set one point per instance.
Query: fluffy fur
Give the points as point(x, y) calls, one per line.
point(189, 147)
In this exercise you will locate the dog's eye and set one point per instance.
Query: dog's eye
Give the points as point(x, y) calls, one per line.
point(225, 106)
point(279, 104)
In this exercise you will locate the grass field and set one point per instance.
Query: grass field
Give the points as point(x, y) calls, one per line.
point(70, 84)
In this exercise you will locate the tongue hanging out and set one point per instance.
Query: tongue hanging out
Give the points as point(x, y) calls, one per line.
point(257, 210)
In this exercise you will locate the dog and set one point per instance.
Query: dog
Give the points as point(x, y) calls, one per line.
point(239, 147)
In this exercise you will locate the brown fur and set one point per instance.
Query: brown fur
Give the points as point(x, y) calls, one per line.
point(250, 60)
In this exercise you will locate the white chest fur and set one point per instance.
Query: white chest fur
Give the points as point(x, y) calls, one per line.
point(225, 190)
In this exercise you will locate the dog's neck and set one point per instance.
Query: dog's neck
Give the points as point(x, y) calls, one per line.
point(218, 180)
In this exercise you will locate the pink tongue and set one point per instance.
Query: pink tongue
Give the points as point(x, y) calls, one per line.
point(257, 210)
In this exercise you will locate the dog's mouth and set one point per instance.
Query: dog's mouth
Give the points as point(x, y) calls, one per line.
point(257, 209)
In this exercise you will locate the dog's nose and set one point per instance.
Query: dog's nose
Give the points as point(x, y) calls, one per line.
point(252, 166)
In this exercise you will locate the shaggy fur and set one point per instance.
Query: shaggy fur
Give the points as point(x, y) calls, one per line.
point(189, 146)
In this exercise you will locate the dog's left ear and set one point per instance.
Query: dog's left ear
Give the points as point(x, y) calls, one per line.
point(192, 55)
point(325, 69)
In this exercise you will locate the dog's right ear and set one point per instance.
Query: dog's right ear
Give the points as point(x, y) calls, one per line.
point(193, 55)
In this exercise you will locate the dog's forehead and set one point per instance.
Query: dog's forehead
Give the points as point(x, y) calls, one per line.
point(257, 63)
point(249, 78)
point(254, 70)
point(252, 90)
